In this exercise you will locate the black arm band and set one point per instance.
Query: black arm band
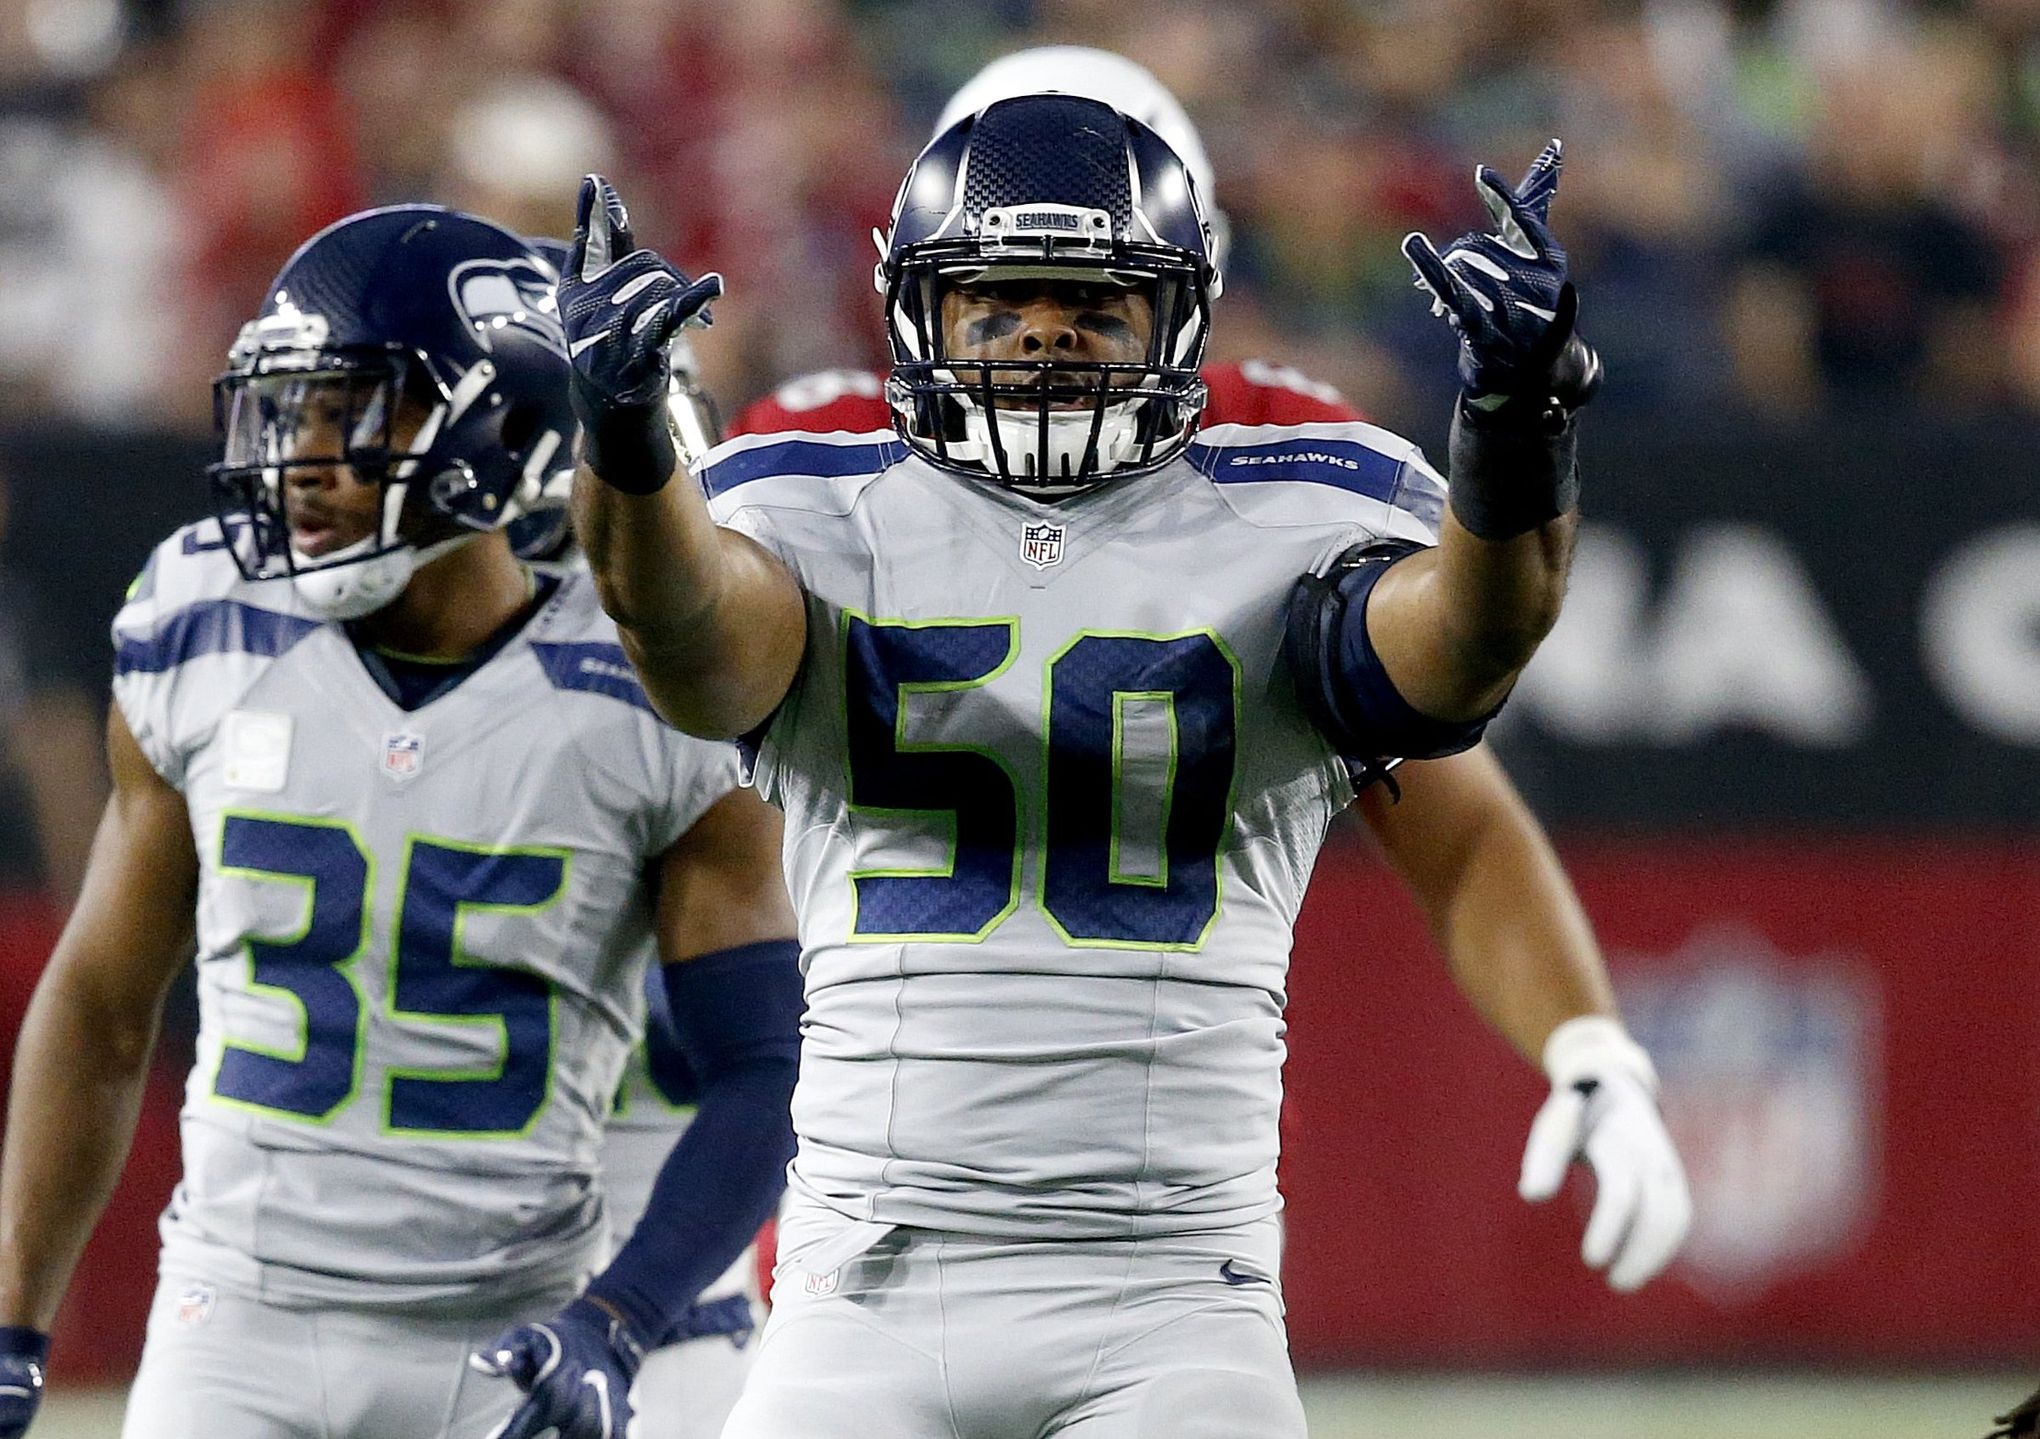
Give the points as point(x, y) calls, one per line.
point(1345, 689)
point(629, 447)
point(1514, 469)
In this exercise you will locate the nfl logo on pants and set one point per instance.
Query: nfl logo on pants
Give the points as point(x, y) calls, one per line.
point(1041, 545)
point(403, 755)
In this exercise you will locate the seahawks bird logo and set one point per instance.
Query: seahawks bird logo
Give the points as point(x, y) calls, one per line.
point(497, 295)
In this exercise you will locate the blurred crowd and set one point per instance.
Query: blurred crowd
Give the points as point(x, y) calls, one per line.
point(1794, 206)
point(1790, 204)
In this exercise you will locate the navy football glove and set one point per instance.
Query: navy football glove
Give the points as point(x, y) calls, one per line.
point(575, 1370)
point(1508, 295)
point(22, 1352)
point(622, 307)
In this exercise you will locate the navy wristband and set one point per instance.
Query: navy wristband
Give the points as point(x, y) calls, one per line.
point(629, 447)
point(1512, 469)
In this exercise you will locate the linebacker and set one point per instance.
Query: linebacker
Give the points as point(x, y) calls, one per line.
point(1058, 764)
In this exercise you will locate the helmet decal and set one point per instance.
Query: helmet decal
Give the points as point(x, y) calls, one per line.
point(492, 295)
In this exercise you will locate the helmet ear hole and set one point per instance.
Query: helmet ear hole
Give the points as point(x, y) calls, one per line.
point(519, 428)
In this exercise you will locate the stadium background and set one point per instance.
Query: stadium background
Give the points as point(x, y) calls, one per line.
point(1788, 733)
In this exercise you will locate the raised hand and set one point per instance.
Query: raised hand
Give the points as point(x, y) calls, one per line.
point(1509, 294)
point(622, 307)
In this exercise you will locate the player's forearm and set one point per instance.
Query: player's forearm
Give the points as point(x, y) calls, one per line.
point(1518, 945)
point(1455, 625)
point(1517, 942)
point(1500, 904)
point(736, 1016)
point(654, 556)
point(80, 1071)
point(714, 625)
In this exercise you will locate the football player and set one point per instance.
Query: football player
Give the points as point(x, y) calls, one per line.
point(431, 833)
point(1454, 827)
point(1059, 704)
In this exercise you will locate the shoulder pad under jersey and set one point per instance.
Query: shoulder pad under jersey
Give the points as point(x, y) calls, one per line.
point(1323, 473)
point(796, 469)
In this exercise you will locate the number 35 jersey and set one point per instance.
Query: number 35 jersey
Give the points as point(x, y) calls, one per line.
point(1051, 808)
point(421, 935)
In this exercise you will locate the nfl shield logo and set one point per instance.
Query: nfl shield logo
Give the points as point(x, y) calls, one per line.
point(403, 755)
point(1771, 1087)
point(195, 1304)
point(1041, 545)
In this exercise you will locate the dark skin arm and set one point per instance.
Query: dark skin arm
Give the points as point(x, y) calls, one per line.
point(719, 885)
point(1518, 944)
point(1455, 624)
point(714, 623)
point(83, 1057)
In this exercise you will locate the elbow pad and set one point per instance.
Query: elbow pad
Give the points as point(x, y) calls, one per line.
point(1340, 680)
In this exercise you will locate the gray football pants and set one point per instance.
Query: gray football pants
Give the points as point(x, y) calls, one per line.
point(222, 1364)
point(913, 1334)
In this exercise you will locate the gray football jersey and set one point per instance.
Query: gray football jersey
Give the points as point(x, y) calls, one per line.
point(1051, 808)
point(421, 934)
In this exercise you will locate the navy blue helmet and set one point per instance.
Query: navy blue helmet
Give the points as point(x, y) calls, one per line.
point(1048, 187)
point(421, 349)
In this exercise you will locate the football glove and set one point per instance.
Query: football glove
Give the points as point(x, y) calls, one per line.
point(622, 307)
point(1509, 295)
point(1603, 1105)
point(575, 1370)
point(22, 1353)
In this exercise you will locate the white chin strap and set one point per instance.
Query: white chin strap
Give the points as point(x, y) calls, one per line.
point(1069, 435)
point(344, 588)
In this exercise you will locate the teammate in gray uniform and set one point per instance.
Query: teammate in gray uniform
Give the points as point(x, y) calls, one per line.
point(432, 834)
point(1058, 704)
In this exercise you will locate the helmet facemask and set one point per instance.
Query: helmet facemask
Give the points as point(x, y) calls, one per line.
point(1055, 191)
point(284, 415)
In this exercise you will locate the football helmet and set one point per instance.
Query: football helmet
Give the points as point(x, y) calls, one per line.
point(1056, 188)
point(419, 347)
point(1127, 87)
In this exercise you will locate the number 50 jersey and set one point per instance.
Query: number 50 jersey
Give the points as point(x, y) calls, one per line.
point(421, 936)
point(1051, 808)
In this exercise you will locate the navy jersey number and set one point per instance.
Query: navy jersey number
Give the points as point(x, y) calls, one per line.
point(310, 968)
point(1139, 736)
point(431, 979)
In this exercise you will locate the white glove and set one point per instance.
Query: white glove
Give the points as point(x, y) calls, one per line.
point(1604, 1104)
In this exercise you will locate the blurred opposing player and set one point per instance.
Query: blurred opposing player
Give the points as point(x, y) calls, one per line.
point(1472, 853)
point(1055, 700)
point(433, 834)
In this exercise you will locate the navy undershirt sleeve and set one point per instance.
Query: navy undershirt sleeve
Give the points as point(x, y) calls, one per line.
point(1344, 687)
point(736, 1014)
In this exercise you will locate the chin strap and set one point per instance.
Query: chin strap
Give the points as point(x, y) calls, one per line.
point(1015, 437)
point(345, 588)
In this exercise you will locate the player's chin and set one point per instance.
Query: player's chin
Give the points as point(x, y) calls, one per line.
point(316, 541)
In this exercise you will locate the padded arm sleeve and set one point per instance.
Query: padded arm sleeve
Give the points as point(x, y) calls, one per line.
point(1342, 683)
point(737, 1016)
